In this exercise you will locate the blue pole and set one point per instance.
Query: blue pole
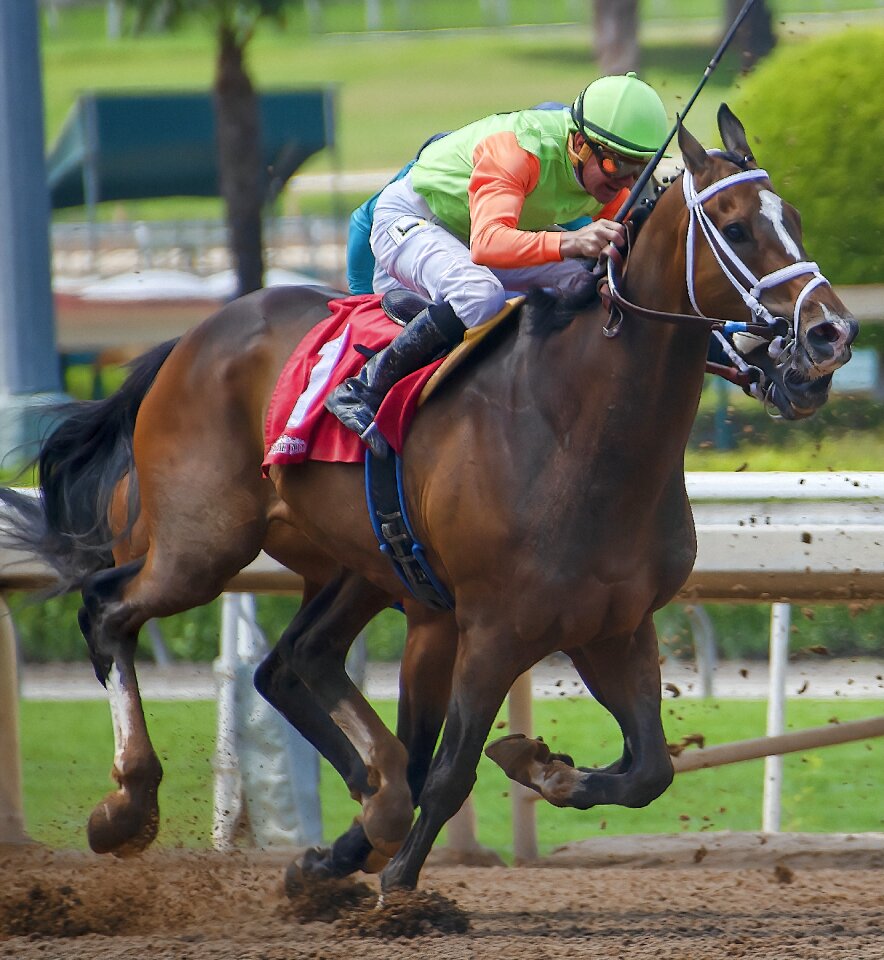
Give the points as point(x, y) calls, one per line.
point(28, 355)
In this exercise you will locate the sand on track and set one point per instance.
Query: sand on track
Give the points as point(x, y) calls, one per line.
point(685, 898)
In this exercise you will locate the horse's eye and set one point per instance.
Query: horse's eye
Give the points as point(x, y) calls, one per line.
point(735, 232)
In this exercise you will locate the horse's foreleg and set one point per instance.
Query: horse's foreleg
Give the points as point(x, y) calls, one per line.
point(478, 688)
point(625, 675)
point(424, 687)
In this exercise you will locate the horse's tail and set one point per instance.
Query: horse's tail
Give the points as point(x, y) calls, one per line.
point(80, 462)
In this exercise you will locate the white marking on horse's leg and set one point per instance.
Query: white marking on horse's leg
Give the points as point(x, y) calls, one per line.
point(355, 729)
point(772, 208)
point(388, 811)
point(120, 707)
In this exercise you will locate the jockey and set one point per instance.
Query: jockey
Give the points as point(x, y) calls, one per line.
point(360, 259)
point(468, 223)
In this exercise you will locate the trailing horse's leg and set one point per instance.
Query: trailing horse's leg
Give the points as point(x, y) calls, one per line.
point(168, 578)
point(313, 649)
point(479, 685)
point(625, 675)
point(127, 820)
point(426, 671)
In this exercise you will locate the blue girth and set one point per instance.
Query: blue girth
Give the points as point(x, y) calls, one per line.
point(385, 498)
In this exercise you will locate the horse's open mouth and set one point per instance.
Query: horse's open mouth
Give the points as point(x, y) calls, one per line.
point(795, 396)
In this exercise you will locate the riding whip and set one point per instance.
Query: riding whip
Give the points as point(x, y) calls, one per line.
point(646, 174)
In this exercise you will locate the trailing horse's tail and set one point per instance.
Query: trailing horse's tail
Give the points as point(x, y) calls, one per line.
point(80, 463)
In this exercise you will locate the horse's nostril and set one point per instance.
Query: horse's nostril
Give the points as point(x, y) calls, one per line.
point(826, 332)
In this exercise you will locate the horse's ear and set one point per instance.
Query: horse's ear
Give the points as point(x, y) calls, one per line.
point(695, 158)
point(733, 136)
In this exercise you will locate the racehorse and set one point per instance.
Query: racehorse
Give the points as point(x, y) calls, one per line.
point(546, 480)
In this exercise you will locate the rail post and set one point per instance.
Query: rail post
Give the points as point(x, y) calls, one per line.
point(771, 807)
point(524, 820)
point(12, 819)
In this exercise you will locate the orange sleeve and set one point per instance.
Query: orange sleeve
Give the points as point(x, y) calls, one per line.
point(503, 175)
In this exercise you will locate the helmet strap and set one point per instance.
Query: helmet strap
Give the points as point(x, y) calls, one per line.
point(578, 157)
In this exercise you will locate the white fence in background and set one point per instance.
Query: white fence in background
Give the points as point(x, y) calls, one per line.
point(312, 245)
point(777, 538)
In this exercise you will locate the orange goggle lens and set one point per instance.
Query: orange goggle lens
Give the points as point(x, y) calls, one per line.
point(614, 165)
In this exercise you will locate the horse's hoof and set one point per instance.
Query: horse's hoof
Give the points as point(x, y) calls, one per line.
point(315, 864)
point(515, 754)
point(531, 763)
point(121, 827)
point(295, 879)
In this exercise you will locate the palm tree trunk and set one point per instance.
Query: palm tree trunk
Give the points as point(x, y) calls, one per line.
point(756, 38)
point(237, 123)
point(615, 39)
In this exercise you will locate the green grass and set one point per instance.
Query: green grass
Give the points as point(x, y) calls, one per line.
point(854, 450)
point(396, 90)
point(382, 120)
point(67, 750)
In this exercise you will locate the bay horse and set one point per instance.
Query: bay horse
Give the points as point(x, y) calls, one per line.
point(546, 480)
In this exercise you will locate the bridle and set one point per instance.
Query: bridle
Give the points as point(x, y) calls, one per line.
point(779, 331)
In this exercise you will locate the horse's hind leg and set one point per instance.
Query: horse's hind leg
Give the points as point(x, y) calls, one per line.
point(426, 672)
point(127, 820)
point(166, 580)
point(277, 682)
point(313, 649)
point(624, 674)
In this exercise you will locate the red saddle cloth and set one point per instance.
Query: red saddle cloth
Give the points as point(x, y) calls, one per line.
point(298, 427)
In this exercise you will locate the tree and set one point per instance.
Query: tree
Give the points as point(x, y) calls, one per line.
point(615, 37)
point(237, 118)
point(755, 39)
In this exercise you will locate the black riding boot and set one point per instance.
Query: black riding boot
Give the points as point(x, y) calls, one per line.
point(430, 335)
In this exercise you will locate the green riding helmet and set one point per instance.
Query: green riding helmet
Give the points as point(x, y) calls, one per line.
point(623, 113)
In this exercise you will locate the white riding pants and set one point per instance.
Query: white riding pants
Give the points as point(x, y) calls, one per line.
point(413, 250)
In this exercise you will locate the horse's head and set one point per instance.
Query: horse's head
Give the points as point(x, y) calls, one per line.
point(745, 261)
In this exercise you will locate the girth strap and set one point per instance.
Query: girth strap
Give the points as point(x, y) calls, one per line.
point(385, 497)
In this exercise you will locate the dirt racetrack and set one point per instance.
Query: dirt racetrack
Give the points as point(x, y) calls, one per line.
point(683, 898)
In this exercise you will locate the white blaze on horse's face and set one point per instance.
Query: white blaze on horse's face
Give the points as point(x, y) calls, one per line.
point(819, 336)
point(772, 208)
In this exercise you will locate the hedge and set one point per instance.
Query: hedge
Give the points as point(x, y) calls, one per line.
point(48, 631)
point(813, 114)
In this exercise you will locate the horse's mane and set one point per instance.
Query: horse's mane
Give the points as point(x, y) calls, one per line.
point(548, 313)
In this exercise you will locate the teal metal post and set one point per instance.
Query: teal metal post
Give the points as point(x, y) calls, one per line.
point(28, 357)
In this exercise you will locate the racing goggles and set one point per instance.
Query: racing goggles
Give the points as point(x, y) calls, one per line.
point(614, 165)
